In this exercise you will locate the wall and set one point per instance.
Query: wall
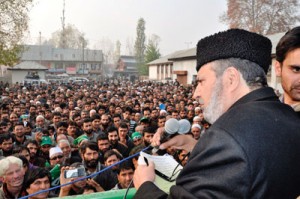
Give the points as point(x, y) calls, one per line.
point(185, 65)
point(153, 72)
point(19, 75)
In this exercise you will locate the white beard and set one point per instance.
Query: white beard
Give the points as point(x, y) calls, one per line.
point(215, 107)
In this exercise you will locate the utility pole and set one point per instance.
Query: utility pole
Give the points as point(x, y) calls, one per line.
point(83, 65)
point(63, 39)
point(40, 46)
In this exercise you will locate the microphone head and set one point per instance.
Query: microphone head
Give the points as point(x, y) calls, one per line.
point(172, 126)
point(184, 126)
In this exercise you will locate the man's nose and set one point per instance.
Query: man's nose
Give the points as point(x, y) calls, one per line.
point(43, 185)
point(197, 92)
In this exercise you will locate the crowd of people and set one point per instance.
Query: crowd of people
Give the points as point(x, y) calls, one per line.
point(242, 141)
point(52, 128)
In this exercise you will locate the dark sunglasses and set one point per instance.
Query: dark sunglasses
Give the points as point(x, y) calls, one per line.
point(57, 157)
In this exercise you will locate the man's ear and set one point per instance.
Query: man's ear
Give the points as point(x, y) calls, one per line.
point(2, 179)
point(277, 68)
point(232, 78)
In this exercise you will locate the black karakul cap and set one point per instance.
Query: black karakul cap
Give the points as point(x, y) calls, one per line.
point(235, 43)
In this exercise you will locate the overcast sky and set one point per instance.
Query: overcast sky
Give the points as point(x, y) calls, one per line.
point(179, 23)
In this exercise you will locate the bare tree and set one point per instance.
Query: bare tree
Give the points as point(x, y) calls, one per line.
point(117, 52)
point(261, 16)
point(129, 46)
point(13, 24)
point(107, 47)
point(73, 38)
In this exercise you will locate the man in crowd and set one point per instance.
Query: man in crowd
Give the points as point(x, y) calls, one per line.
point(104, 145)
point(88, 130)
point(232, 67)
point(46, 144)
point(33, 148)
point(90, 156)
point(19, 134)
point(96, 123)
point(287, 66)
point(196, 131)
point(125, 175)
point(72, 129)
point(137, 138)
point(148, 134)
point(6, 145)
point(161, 121)
point(38, 179)
point(112, 157)
point(105, 120)
point(124, 138)
point(70, 156)
point(12, 176)
point(113, 138)
point(56, 156)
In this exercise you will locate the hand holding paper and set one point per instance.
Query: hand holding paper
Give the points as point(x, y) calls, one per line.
point(143, 173)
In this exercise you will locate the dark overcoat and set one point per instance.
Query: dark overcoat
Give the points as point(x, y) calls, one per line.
point(251, 151)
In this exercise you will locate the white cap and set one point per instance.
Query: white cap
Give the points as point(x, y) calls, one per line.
point(162, 112)
point(196, 126)
point(184, 126)
point(197, 108)
point(172, 126)
point(54, 151)
point(196, 117)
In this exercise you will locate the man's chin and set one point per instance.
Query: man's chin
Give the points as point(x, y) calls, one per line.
point(42, 195)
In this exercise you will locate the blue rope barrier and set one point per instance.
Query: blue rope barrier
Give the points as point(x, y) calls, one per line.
point(83, 178)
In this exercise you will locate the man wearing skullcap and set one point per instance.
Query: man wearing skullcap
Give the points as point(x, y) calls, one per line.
point(252, 148)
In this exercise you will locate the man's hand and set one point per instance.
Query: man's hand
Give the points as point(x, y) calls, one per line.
point(143, 174)
point(185, 142)
point(64, 190)
point(94, 184)
point(155, 141)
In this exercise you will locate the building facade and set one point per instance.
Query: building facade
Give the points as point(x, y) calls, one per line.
point(126, 68)
point(74, 62)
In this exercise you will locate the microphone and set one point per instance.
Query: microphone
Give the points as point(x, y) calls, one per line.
point(173, 127)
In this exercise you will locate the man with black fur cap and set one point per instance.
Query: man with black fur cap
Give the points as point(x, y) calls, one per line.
point(252, 148)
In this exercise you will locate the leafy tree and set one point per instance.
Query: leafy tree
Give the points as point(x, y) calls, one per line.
point(261, 16)
point(140, 46)
point(152, 50)
point(13, 24)
point(73, 38)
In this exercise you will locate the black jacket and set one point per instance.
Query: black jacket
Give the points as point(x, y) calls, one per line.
point(251, 151)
